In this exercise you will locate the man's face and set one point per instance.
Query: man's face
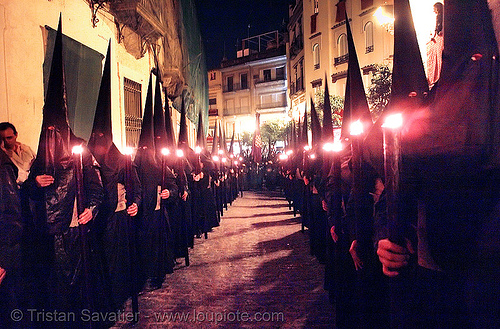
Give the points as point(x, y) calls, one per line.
point(8, 138)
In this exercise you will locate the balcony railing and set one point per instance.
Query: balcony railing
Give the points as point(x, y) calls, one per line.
point(369, 49)
point(296, 46)
point(271, 105)
point(342, 59)
point(234, 87)
point(237, 110)
point(278, 78)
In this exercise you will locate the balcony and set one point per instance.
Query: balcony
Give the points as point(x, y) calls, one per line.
point(271, 105)
point(237, 111)
point(296, 46)
point(234, 87)
point(341, 60)
point(281, 77)
point(143, 17)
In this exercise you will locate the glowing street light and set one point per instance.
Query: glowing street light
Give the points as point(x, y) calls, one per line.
point(385, 20)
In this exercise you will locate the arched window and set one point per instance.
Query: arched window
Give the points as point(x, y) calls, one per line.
point(368, 28)
point(316, 56)
point(342, 44)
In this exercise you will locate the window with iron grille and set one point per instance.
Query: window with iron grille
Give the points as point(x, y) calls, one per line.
point(133, 111)
point(368, 28)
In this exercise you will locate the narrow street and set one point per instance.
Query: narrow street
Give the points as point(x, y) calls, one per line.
point(254, 270)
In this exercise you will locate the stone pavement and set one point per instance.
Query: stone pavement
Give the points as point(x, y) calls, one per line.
point(253, 271)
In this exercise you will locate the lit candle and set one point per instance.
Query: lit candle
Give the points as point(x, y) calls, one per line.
point(77, 154)
point(392, 165)
point(197, 150)
point(165, 152)
point(129, 182)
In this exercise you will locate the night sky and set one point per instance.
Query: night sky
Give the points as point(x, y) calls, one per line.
point(226, 22)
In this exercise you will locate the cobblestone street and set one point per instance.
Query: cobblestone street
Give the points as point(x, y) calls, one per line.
point(254, 270)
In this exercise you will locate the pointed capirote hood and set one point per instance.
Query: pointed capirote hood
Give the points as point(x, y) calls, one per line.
point(355, 103)
point(315, 125)
point(299, 133)
point(169, 126)
point(54, 143)
point(231, 148)
point(102, 135)
point(146, 139)
point(160, 133)
point(305, 137)
point(409, 84)
point(55, 111)
point(215, 143)
point(200, 132)
point(183, 129)
point(464, 114)
point(327, 132)
point(222, 139)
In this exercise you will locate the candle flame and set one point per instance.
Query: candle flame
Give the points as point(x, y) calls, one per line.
point(224, 160)
point(78, 149)
point(283, 157)
point(235, 163)
point(289, 152)
point(165, 151)
point(221, 151)
point(313, 156)
point(179, 153)
point(215, 158)
point(356, 128)
point(128, 151)
point(393, 121)
point(197, 150)
point(307, 148)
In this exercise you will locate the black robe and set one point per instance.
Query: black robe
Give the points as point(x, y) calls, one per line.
point(155, 236)
point(67, 282)
point(118, 229)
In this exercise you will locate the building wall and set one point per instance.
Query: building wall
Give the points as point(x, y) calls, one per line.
point(237, 108)
point(24, 46)
point(327, 34)
point(23, 43)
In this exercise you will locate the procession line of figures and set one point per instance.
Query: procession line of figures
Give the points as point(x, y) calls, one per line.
point(88, 227)
point(404, 211)
point(60, 266)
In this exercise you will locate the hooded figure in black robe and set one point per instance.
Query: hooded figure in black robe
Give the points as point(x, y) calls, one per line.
point(448, 228)
point(71, 274)
point(205, 210)
point(181, 209)
point(122, 198)
point(155, 241)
